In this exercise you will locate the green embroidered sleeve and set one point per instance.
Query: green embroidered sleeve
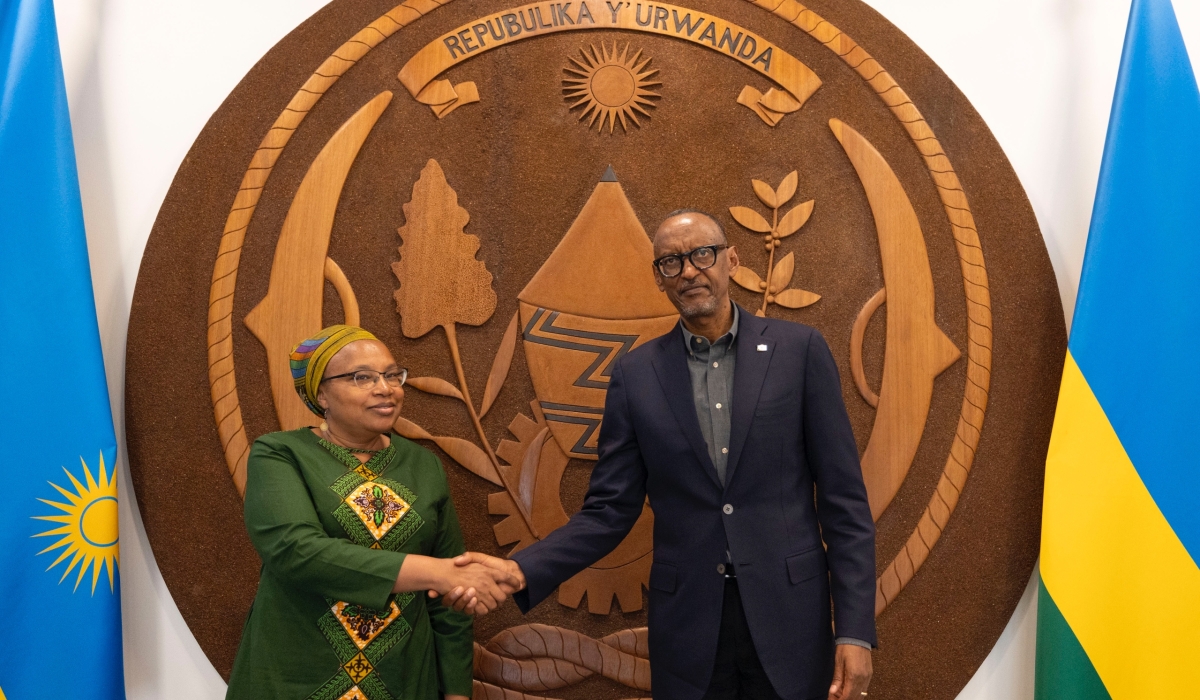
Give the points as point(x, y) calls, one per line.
point(453, 632)
point(285, 529)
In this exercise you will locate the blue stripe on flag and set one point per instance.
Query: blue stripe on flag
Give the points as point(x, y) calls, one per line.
point(1136, 329)
point(56, 639)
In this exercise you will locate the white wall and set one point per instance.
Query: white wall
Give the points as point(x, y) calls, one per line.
point(143, 76)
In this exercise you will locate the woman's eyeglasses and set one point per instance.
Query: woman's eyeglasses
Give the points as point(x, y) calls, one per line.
point(366, 379)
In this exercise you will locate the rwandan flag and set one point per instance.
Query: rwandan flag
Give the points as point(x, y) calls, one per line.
point(1119, 607)
point(60, 612)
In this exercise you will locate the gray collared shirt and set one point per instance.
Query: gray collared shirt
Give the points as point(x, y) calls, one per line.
point(711, 367)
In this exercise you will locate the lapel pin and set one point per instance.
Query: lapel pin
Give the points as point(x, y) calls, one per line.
point(762, 348)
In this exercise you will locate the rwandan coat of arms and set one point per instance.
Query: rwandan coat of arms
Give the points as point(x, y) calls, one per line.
point(475, 183)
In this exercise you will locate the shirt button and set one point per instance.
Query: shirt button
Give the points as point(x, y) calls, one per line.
point(728, 509)
point(724, 450)
point(718, 405)
point(720, 568)
point(714, 364)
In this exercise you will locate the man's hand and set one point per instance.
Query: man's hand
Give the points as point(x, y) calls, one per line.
point(851, 673)
point(505, 574)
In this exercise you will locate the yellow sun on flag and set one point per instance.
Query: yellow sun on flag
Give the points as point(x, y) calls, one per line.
point(610, 87)
point(89, 526)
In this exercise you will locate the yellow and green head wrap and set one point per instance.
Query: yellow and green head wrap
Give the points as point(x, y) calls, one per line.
point(310, 357)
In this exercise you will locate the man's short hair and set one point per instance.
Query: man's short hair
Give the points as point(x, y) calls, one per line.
point(710, 217)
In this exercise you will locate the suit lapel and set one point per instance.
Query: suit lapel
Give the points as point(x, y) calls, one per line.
point(670, 364)
point(748, 376)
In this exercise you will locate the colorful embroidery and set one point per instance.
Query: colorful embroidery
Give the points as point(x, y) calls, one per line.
point(358, 668)
point(375, 512)
point(377, 507)
point(360, 525)
point(360, 637)
point(364, 624)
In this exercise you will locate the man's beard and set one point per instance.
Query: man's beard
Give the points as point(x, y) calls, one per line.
point(699, 309)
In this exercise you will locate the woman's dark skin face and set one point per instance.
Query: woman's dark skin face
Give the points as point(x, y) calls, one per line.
point(360, 417)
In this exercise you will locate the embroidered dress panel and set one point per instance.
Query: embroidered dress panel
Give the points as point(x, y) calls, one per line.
point(372, 506)
point(361, 637)
point(364, 624)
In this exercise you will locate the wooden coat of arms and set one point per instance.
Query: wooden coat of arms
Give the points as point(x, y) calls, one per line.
point(474, 182)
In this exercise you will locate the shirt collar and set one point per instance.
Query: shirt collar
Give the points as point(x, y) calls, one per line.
point(689, 338)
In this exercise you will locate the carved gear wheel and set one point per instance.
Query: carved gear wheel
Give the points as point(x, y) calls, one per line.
point(536, 462)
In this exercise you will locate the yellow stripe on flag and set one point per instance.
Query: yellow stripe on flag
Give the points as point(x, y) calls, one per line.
point(1114, 566)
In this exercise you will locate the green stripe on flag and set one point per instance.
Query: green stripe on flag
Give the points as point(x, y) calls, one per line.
point(1064, 671)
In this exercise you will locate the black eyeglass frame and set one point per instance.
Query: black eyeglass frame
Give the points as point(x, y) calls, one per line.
point(403, 372)
point(715, 248)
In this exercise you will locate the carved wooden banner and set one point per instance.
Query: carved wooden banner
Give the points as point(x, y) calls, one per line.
point(475, 183)
point(538, 19)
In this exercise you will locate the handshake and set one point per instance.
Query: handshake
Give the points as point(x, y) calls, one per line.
point(475, 583)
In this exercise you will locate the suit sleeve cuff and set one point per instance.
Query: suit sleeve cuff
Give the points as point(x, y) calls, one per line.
point(852, 642)
point(521, 598)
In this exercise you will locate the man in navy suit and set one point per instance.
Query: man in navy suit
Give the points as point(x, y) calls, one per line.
point(730, 424)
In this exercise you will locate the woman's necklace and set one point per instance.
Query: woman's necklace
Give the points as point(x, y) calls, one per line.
point(371, 467)
point(358, 450)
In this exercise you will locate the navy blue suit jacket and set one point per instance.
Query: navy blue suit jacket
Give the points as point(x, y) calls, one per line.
point(790, 438)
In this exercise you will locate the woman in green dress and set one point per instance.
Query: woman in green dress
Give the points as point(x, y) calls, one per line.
point(353, 524)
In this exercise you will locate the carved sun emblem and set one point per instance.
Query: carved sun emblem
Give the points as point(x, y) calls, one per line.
point(610, 87)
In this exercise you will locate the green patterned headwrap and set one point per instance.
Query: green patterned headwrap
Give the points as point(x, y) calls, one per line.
point(309, 358)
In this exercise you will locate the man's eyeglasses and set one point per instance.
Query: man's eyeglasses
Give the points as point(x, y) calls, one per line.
point(701, 258)
point(366, 379)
